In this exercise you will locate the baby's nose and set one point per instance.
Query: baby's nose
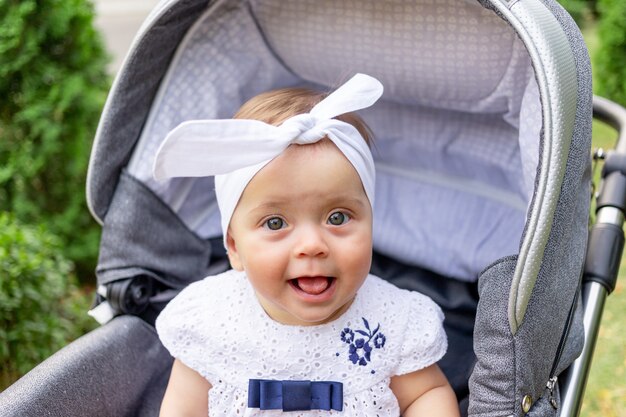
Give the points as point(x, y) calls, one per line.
point(311, 243)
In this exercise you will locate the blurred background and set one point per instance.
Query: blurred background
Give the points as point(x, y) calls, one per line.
point(57, 62)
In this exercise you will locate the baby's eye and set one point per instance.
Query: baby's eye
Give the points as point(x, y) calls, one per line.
point(338, 218)
point(275, 223)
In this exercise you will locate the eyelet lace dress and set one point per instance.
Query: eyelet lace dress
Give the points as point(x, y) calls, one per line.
point(217, 327)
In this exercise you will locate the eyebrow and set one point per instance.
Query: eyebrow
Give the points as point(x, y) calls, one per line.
point(273, 204)
point(337, 201)
point(348, 200)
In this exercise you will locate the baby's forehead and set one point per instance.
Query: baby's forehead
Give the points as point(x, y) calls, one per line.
point(319, 170)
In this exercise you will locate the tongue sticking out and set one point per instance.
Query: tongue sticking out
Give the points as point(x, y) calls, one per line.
point(313, 285)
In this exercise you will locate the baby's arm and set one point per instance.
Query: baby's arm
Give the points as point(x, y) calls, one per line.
point(425, 393)
point(187, 393)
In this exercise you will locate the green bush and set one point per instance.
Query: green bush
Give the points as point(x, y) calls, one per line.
point(53, 83)
point(41, 309)
point(610, 58)
point(580, 10)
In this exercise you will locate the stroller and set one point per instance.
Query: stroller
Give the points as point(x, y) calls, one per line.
point(483, 188)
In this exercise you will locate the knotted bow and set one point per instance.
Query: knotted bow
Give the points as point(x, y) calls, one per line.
point(295, 395)
point(234, 150)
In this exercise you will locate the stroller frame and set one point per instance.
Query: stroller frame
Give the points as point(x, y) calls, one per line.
point(604, 253)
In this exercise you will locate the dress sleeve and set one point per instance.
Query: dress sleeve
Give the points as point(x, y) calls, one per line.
point(425, 340)
point(182, 330)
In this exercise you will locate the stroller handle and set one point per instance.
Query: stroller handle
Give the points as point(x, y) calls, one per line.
point(614, 115)
point(601, 270)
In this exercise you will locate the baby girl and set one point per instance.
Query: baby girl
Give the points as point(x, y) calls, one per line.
point(298, 325)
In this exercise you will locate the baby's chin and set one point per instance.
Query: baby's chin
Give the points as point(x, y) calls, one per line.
point(319, 317)
point(298, 312)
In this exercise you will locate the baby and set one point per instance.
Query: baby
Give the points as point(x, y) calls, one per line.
point(298, 325)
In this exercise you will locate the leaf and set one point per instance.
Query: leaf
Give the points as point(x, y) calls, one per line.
point(363, 333)
point(367, 325)
point(376, 331)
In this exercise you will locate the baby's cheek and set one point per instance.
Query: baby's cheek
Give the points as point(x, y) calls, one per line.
point(359, 256)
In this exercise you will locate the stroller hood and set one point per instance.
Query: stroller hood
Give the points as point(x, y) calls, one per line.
point(482, 149)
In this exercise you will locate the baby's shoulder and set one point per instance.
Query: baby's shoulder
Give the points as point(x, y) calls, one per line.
point(204, 298)
point(191, 325)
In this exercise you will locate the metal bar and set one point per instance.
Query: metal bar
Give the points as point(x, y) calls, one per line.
point(610, 215)
point(593, 293)
point(614, 115)
point(575, 380)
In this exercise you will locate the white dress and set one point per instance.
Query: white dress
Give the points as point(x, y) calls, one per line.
point(217, 327)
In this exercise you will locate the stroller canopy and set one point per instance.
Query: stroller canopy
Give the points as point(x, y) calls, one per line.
point(481, 147)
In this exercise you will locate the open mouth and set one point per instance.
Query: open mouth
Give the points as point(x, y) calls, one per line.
point(313, 287)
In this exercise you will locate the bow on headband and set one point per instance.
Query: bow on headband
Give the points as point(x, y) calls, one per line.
point(234, 150)
point(295, 395)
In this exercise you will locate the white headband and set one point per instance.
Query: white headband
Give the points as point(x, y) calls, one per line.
point(234, 150)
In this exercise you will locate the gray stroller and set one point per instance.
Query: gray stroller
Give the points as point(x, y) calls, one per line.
point(483, 191)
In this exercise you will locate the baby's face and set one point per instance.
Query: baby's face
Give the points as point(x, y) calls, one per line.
point(302, 231)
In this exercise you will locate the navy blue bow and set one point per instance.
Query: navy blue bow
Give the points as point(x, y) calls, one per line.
point(295, 395)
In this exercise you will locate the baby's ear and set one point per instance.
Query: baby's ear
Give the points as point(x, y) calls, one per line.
point(233, 255)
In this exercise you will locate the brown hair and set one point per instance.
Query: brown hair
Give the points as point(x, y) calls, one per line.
point(274, 107)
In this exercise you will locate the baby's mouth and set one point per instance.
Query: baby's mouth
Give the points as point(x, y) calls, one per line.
point(312, 285)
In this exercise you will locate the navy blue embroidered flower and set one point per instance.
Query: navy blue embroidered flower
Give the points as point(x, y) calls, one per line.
point(347, 335)
point(379, 340)
point(360, 350)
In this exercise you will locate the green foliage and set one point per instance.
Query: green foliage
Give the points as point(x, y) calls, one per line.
point(53, 84)
point(580, 10)
point(610, 58)
point(41, 308)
